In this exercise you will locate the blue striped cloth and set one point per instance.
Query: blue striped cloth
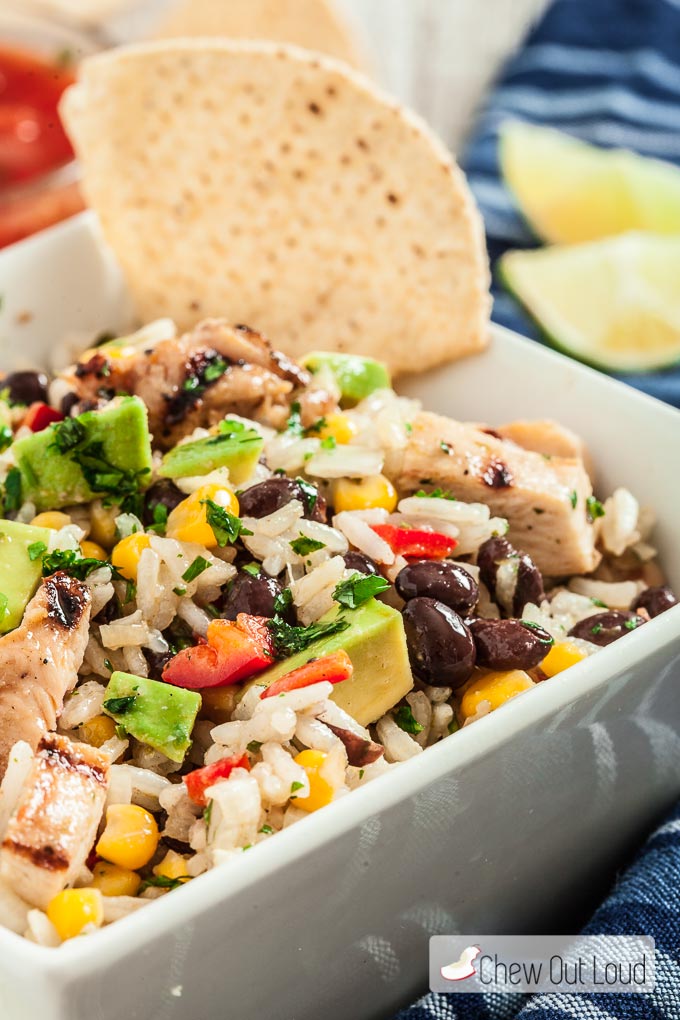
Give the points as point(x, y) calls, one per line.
point(607, 71)
point(645, 900)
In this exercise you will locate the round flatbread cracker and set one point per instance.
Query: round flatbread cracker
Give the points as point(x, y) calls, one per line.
point(281, 190)
point(312, 24)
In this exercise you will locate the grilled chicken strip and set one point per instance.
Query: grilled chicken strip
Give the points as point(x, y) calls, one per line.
point(39, 661)
point(546, 437)
point(54, 824)
point(543, 499)
point(196, 379)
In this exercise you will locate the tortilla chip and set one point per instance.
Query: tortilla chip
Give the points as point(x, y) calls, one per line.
point(313, 24)
point(281, 190)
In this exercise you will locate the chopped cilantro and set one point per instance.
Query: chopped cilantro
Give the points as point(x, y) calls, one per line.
point(283, 601)
point(252, 568)
point(267, 830)
point(453, 726)
point(254, 746)
point(12, 490)
point(573, 498)
point(68, 434)
point(5, 437)
point(119, 706)
point(180, 591)
point(437, 493)
point(631, 624)
point(405, 720)
point(600, 603)
point(596, 629)
point(109, 665)
point(71, 562)
point(288, 639)
point(226, 526)
point(207, 813)
point(196, 569)
point(294, 423)
point(448, 450)
point(294, 787)
point(315, 427)
point(547, 640)
point(160, 519)
point(163, 882)
point(329, 443)
point(303, 546)
point(408, 427)
point(310, 494)
point(594, 508)
point(35, 550)
point(359, 588)
point(361, 773)
point(215, 370)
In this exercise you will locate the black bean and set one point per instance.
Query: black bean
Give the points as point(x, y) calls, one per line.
point(267, 497)
point(162, 493)
point(655, 600)
point(529, 587)
point(68, 402)
point(509, 644)
point(438, 579)
point(603, 628)
point(248, 594)
point(362, 564)
point(25, 387)
point(440, 646)
point(157, 661)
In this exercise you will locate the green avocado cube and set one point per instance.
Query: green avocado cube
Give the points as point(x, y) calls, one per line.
point(152, 712)
point(376, 643)
point(99, 453)
point(21, 548)
point(356, 377)
point(235, 446)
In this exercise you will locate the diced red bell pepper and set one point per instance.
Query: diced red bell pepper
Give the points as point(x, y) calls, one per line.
point(200, 780)
point(40, 415)
point(431, 545)
point(332, 668)
point(234, 651)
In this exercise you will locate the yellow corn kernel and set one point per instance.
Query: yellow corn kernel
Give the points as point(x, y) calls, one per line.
point(111, 880)
point(561, 656)
point(320, 791)
point(93, 551)
point(130, 838)
point(103, 523)
point(338, 427)
point(127, 554)
point(73, 909)
point(55, 520)
point(188, 522)
point(218, 703)
point(369, 493)
point(173, 865)
point(496, 687)
point(97, 731)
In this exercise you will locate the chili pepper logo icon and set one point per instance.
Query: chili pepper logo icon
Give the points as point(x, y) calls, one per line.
point(463, 967)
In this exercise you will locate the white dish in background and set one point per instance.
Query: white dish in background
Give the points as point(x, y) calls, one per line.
point(500, 828)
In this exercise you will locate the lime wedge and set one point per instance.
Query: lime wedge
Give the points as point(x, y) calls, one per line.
point(570, 191)
point(612, 303)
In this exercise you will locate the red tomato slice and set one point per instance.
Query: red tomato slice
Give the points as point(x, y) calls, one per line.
point(332, 668)
point(200, 780)
point(415, 541)
point(40, 415)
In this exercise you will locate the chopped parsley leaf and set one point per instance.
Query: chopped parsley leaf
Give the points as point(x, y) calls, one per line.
point(5, 437)
point(359, 588)
point(294, 787)
point(600, 603)
point(68, 434)
point(596, 629)
point(294, 423)
point(226, 526)
point(283, 601)
point(35, 550)
point(446, 448)
point(288, 639)
point(548, 640)
point(310, 493)
point(252, 568)
point(315, 427)
point(405, 720)
point(12, 490)
point(109, 665)
point(180, 591)
point(437, 493)
point(573, 498)
point(631, 624)
point(215, 370)
point(71, 562)
point(195, 569)
point(160, 519)
point(119, 706)
point(254, 746)
point(329, 443)
point(163, 882)
point(594, 508)
point(267, 830)
point(303, 546)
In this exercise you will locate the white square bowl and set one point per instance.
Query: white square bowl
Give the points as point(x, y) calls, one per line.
point(500, 829)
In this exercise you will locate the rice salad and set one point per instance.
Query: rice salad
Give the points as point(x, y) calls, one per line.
point(234, 588)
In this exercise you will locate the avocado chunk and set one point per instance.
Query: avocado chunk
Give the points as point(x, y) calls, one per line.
point(356, 377)
point(235, 446)
point(19, 573)
point(376, 643)
point(155, 713)
point(99, 453)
